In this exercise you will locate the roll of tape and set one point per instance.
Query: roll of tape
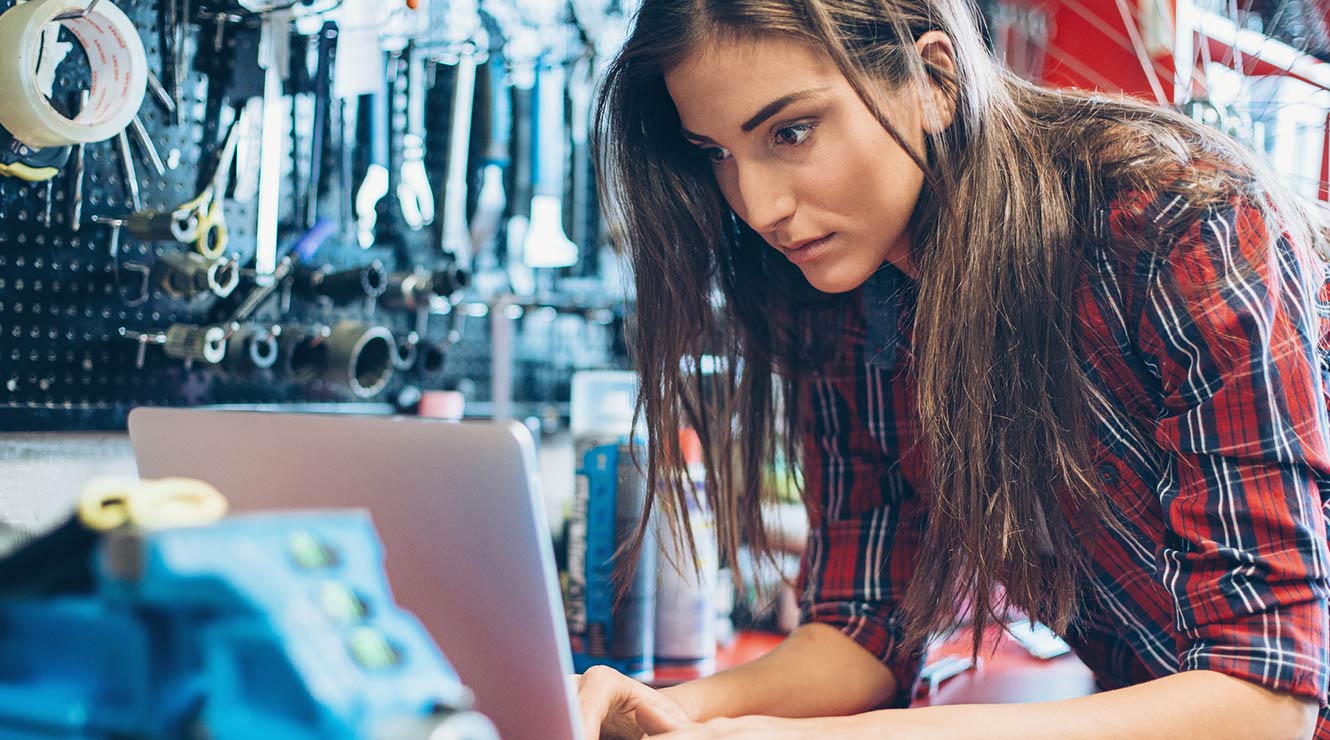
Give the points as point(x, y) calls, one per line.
point(115, 55)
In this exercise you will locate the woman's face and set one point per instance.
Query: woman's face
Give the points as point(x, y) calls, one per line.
point(799, 157)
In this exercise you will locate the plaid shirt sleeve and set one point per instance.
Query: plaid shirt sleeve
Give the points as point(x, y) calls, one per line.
point(1232, 329)
point(865, 522)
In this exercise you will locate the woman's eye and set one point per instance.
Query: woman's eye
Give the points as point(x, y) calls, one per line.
point(715, 154)
point(794, 135)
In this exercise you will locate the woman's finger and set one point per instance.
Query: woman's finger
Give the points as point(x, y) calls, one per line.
point(657, 713)
point(593, 701)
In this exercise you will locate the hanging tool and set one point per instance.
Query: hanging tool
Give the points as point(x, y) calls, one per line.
point(130, 174)
point(160, 95)
point(422, 292)
point(299, 83)
point(523, 83)
point(186, 274)
point(203, 219)
point(375, 185)
point(188, 342)
point(113, 248)
point(76, 198)
point(580, 92)
point(145, 142)
point(168, 18)
point(418, 289)
point(545, 244)
point(327, 42)
point(359, 358)
point(178, 36)
point(348, 114)
point(274, 57)
point(304, 249)
point(456, 233)
point(50, 202)
point(252, 347)
point(492, 200)
point(415, 194)
point(342, 286)
point(211, 273)
point(154, 226)
point(351, 355)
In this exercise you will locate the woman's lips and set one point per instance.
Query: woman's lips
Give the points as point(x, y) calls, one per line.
point(810, 251)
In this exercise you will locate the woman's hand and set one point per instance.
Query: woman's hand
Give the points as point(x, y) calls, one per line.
point(615, 707)
point(765, 728)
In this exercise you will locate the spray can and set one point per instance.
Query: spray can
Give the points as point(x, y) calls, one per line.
point(608, 500)
point(685, 596)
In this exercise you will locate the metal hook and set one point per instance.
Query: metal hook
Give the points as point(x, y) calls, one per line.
point(145, 288)
point(71, 15)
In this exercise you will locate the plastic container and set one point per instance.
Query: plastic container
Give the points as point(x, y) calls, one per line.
point(610, 493)
point(685, 596)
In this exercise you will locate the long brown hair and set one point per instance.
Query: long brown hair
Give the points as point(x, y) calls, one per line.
point(1011, 189)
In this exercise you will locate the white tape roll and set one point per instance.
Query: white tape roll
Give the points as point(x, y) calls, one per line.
point(115, 54)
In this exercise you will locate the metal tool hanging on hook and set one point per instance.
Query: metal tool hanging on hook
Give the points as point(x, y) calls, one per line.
point(456, 232)
point(492, 200)
point(545, 244)
point(327, 44)
point(374, 186)
point(202, 220)
point(415, 193)
point(186, 274)
point(188, 342)
point(523, 51)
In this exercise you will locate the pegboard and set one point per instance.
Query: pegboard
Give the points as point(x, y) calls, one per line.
point(65, 299)
point(71, 294)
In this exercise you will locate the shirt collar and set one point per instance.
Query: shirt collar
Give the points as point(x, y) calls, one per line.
point(881, 296)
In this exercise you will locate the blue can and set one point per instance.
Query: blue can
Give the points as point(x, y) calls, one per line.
point(606, 628)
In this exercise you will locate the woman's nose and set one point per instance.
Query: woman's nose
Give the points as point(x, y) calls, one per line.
point(766, 198)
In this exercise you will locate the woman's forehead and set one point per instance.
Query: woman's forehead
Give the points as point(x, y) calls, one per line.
point(772, 56)
point(734, 80)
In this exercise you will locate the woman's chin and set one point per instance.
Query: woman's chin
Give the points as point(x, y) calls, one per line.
point(835, 278)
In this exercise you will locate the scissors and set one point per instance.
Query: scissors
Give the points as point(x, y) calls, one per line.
point(202, 220)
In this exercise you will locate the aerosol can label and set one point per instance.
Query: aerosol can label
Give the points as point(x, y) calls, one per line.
point(606, 628)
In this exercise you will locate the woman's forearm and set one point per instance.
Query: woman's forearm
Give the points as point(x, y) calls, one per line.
point(1201, 704)
point(816, 671)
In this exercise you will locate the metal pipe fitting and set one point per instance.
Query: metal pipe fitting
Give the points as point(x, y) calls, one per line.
point(343, 286)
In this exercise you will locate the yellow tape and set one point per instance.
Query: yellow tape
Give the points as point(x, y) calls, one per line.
point(31, 174)
point(107, 503)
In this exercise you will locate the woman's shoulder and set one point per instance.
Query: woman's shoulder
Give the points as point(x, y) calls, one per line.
point(1148, 173)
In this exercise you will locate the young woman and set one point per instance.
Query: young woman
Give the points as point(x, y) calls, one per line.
point(1033, 350)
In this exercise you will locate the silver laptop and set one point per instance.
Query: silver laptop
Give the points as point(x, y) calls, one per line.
point(457, 506)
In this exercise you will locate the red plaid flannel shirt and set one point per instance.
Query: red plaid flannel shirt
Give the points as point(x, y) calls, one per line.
point(1212, 443)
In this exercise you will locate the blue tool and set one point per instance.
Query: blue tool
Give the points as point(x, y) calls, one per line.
point(258, 626)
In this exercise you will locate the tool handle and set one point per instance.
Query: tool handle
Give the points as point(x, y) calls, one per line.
point(501, 112)
point(523, 123)
point(550, 142)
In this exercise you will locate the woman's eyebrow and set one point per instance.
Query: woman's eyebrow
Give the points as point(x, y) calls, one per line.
point(768, 110)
